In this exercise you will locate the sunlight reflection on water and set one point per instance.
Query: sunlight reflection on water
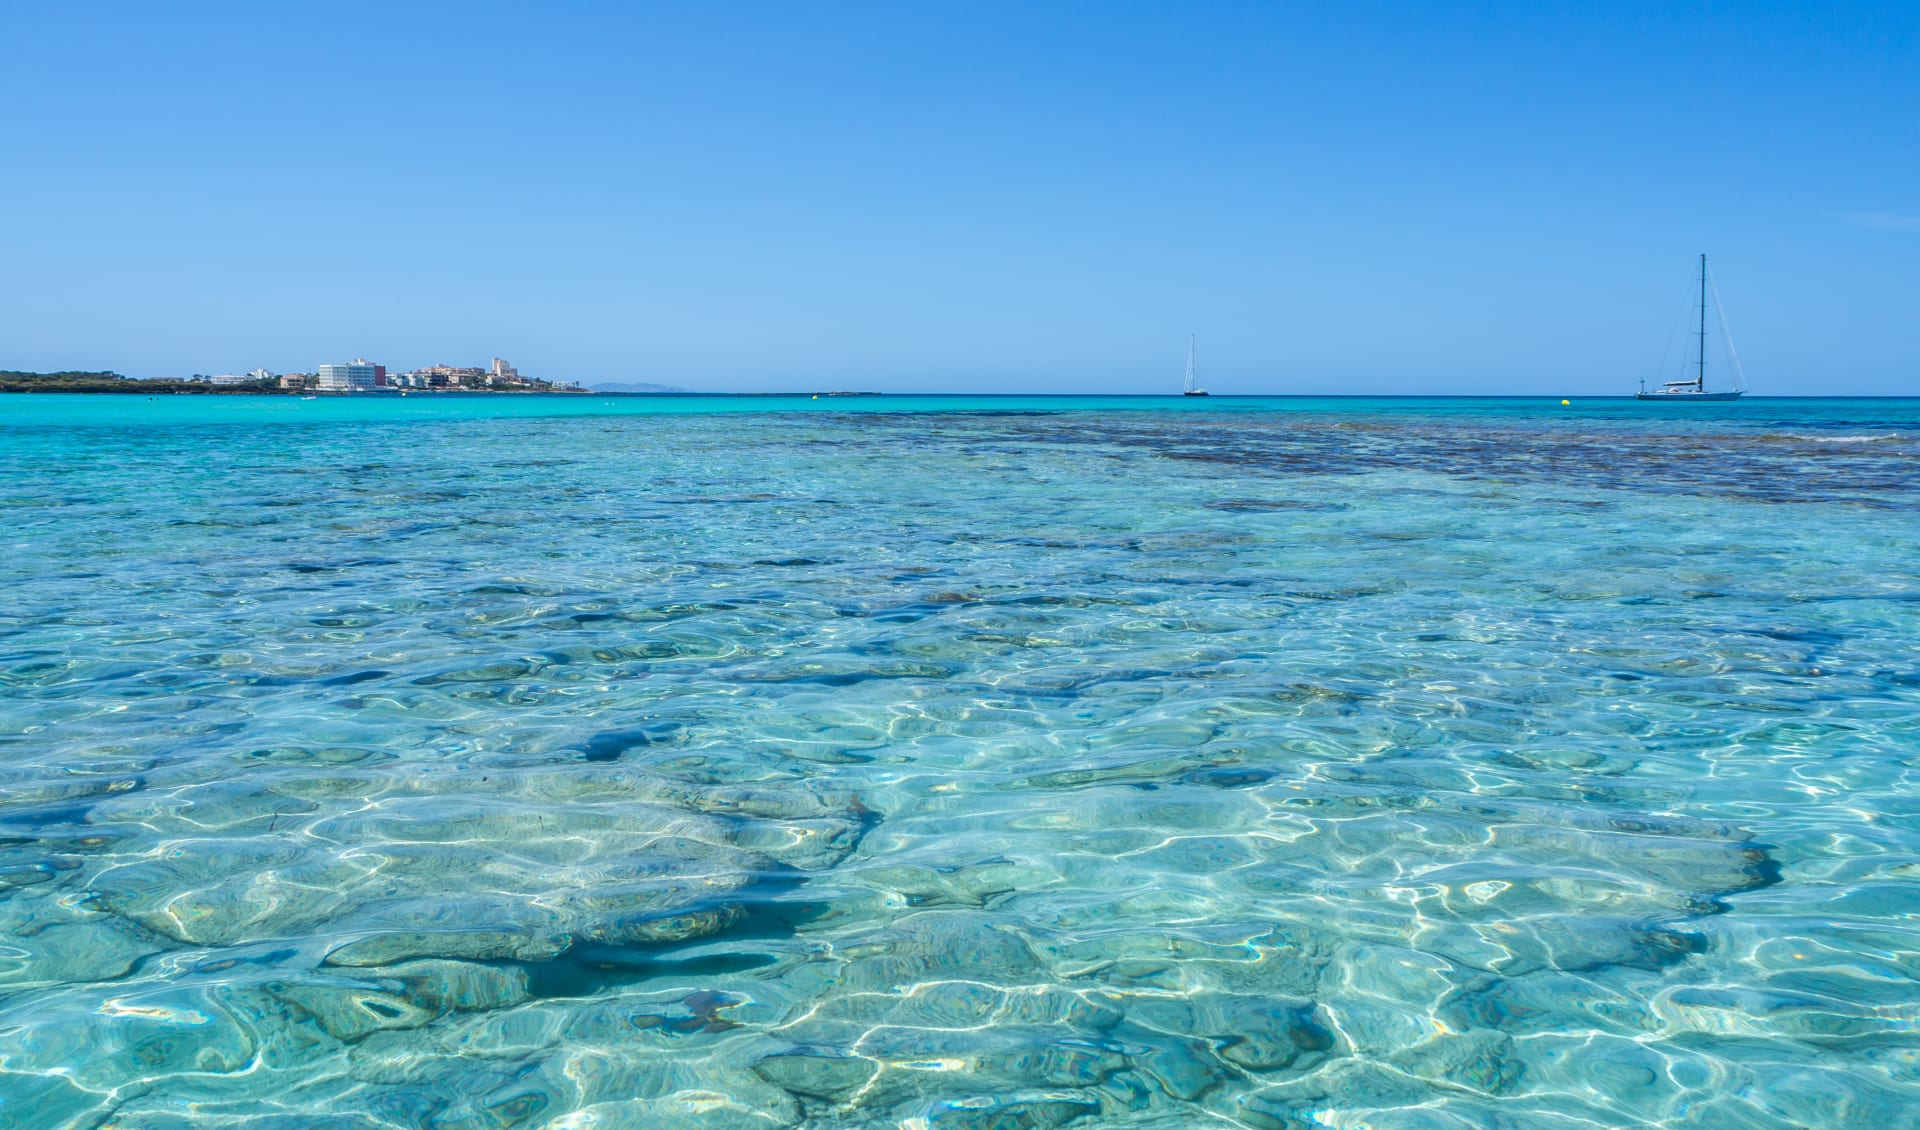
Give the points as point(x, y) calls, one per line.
point(1316, 763)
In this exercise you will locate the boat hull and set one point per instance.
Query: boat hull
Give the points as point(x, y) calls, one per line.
point(1686, 397)
point(1194, 392)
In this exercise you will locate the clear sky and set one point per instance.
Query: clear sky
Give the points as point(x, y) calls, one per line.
point(1454, 198)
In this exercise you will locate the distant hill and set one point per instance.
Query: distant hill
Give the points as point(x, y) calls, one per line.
point(632, 386)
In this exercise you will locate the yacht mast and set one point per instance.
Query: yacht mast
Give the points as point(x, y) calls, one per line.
point(1189, 362)
point(1700, 376)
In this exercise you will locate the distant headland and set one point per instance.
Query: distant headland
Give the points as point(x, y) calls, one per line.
point(357, 376)
point(632, 388)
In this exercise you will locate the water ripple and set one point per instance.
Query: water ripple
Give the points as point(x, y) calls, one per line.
point(1318, 766)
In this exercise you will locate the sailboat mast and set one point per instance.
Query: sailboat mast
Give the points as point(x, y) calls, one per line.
point(1700, 378)
point(1189, 387)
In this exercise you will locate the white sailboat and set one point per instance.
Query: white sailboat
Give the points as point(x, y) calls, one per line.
point(1192, 388)
point(1694, 389)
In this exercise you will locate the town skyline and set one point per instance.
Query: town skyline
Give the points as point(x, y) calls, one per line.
point(357, 376)
point(362, 375)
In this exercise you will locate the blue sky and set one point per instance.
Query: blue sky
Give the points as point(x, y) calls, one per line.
point(1382, 198)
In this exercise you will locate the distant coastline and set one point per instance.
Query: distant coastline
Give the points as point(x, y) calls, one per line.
point(797, 392)
point(628, 388)
point(106, 382)
point(111, 383)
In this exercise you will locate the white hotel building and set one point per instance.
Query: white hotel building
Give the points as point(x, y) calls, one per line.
point(360, 376)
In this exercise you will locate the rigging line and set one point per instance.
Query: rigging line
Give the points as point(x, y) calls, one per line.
point(1673, 333)
point(1726, 334)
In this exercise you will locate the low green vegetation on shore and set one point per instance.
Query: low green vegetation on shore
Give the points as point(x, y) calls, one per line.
point(13, 380)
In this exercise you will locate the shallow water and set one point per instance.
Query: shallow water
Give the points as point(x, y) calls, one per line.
point(931, 762)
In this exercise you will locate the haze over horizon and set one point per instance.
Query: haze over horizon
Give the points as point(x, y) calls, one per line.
point(981, 198)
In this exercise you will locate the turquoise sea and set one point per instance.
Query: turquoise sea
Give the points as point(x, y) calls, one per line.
point(934, 762)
